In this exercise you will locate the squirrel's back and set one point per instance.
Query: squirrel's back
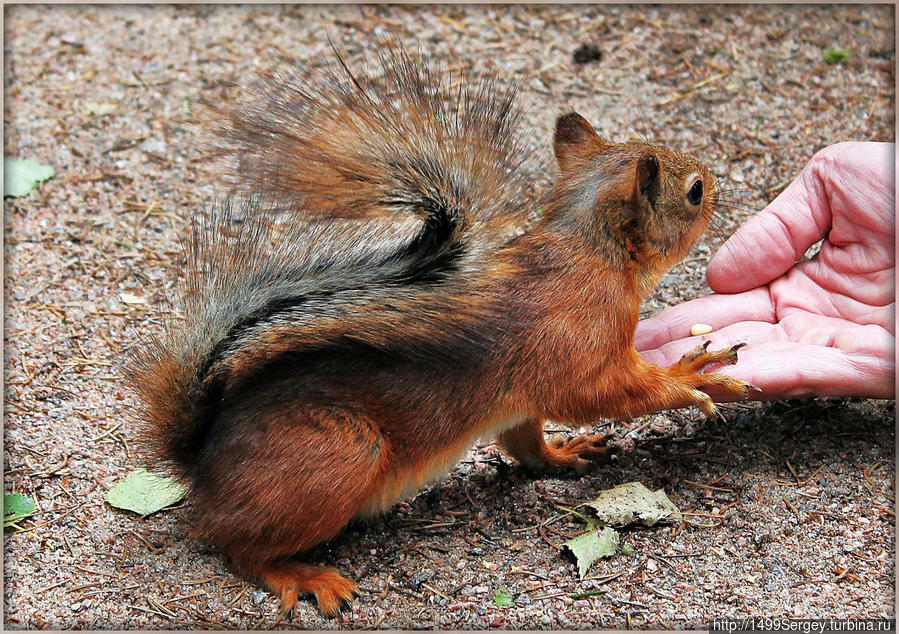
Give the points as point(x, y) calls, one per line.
point(387, 196)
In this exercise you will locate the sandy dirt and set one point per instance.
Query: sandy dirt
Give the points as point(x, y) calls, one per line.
point(790, 504)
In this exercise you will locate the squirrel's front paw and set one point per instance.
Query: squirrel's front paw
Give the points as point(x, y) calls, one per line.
point(690, 369)
point(700, 358)
point(720, 383)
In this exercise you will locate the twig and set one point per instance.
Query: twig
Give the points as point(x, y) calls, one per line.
point(604, 578)
point(793, 471)
point(151, 611)
point(708, 487)
point(239, 595)
point(547, 539)
point(793, 508)
point(662, 560)
point(436, 591)
point(51, 586)
point(107, 432)
point(589, 593)
point(634, 603)
point(549, 596)
point(528, 572)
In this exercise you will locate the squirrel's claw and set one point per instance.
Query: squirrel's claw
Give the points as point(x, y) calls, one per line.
point(289, 579)
point(698, 359)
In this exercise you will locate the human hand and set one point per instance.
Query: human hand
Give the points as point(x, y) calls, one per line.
point(824, 326)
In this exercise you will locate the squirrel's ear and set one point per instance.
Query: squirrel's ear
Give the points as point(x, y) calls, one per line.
point(573, 135)
point(647, 173)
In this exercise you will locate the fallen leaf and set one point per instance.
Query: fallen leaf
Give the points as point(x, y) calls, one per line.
point(836, 55)
point(16, 507)
point(502, 598)
point(20, 176)
point(633, 502)
point(144, 492)
point(593, 546)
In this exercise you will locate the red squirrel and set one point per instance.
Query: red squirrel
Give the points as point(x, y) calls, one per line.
point(385, 300)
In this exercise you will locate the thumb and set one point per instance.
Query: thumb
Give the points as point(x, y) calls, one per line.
point(774, 239)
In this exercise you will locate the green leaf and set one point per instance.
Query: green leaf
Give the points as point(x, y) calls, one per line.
point(16, 507)
point(502, 598)
point(633, 502)
point(144, 492)
point(627, 549)
point(836, 55)
point(21, 176)
point(593, 546)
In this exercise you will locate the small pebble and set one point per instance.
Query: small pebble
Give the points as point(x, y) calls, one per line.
point(586, 53)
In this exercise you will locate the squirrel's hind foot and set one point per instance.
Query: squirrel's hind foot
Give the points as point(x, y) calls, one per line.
point(527, 444)
point(578, 453)
point(289, 579)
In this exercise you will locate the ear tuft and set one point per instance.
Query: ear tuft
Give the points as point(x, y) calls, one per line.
point(572, 128)
point(573, 132)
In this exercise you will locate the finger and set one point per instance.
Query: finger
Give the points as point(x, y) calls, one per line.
point(717, 311)
point(863, 194)
point(776, 237)
point(789, 370)
point(814, 286)
point(797, 326)
point(846, 334)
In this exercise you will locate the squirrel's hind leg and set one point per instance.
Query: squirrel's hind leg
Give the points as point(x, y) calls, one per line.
point(283, 481)
point(527, 444)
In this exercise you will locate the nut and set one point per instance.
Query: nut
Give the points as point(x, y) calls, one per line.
point(700, 329)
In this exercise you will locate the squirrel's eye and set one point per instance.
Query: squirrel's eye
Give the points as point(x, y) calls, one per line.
point(694, 196)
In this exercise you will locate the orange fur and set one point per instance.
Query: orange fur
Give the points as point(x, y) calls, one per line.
point(397, 304)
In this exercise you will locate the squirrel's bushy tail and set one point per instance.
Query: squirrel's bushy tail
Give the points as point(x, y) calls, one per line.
point(404, 139)
point(388, 194)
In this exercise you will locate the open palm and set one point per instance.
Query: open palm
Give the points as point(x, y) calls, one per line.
point(823, 326)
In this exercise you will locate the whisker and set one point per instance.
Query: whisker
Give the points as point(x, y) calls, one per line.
point(718, 225)
point(726, 175)
point(732, 204)
point(735, 190)
point(728, 204)
point(647, 136)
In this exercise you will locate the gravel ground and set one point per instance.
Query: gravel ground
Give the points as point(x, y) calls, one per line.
point(791, 504)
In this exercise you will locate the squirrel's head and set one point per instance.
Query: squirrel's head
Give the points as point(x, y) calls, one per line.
point(643, 202)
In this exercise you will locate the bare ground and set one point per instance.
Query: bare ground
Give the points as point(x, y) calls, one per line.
point(791, 504)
